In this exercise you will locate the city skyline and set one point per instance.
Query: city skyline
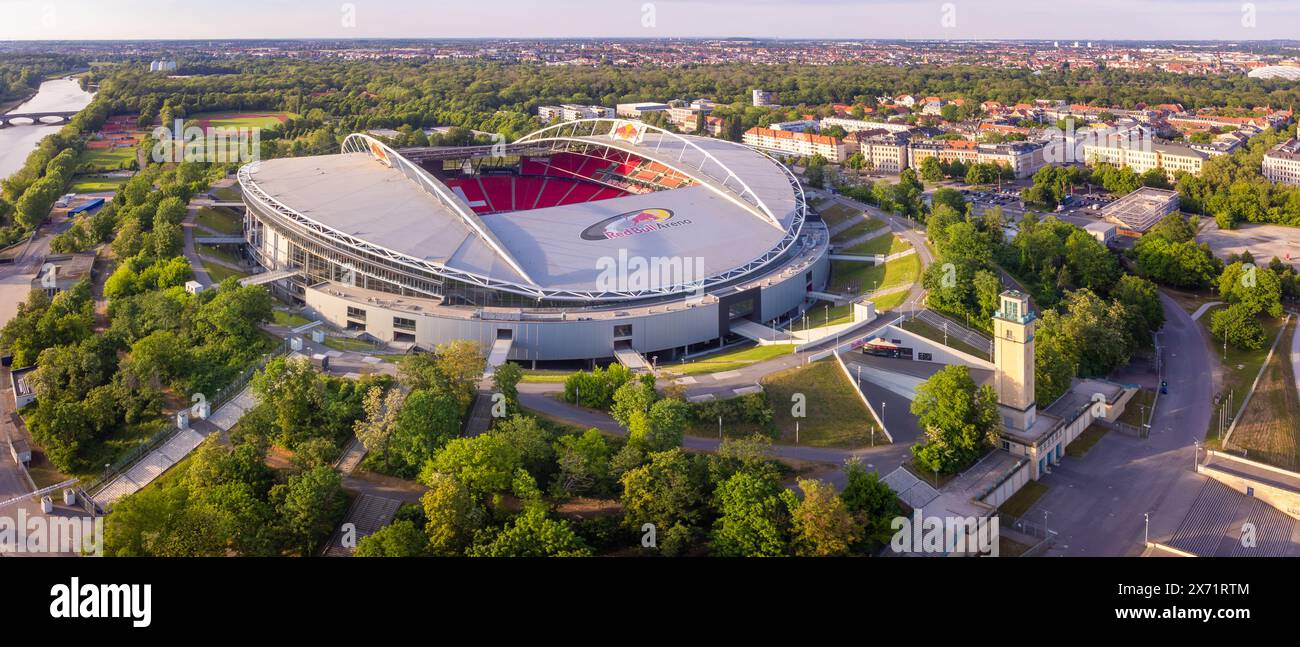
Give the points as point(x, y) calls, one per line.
point(961, 20)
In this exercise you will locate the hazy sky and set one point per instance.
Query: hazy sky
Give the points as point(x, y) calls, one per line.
point(1050, 19)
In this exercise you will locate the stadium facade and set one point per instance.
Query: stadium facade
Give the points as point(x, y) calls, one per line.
point(576, 242)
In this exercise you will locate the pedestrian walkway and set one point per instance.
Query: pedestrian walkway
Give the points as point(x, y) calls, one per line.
point(174, 450)
point(148, 468)
point(1204, 307)
point(367, 515)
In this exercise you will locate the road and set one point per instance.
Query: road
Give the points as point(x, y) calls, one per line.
point(15, 284)
point(1096, 503)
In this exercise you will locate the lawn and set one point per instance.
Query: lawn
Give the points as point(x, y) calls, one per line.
point(1269, 428)
point(106, 159)
point(890, 301)
point(885, 245)
point(288, 319)
point(92, 184)
point(227, 194)
point(256, 119)
point(837, 213)
point(859, 229)
point(1239, 372)
point(855, 277)
point(728, 360)
point(1022, 501)
point(220, 220)
point(220, 273)
point(217, 252)
point(1139, 406)
point(98, 453)
point(823, 313)
point(936, 334)
point(547, 377)
point(1081, 445)
point(349, 344)
point(834, 413)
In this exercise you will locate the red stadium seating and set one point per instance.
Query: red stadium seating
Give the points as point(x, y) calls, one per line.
point(541, 185)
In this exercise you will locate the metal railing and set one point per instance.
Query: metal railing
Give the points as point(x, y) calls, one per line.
point(125, 462)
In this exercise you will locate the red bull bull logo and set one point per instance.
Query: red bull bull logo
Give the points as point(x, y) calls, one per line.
point(627, 131)
point(378, 152)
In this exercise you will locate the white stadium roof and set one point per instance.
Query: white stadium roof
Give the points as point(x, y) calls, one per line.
point(743, 212)
point(1276, 72)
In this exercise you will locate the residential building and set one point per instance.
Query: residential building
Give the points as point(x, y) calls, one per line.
point(1282, 163)
point(949, 151)
point(1143, 155)
point(687, 118)
point(572, 112)
point(884, 151)
point(801, 144)
point(1023, 158)
point(714, 126)
point(762, 98)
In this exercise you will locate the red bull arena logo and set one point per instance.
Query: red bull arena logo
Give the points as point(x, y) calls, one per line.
point(632, 223)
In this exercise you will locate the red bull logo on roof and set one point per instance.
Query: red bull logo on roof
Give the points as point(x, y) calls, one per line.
point(632, 223)
point(628, 131)
point(378, 152)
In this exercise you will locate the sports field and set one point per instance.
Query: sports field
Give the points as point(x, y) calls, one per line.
point(95, 184)
point(242, 119)
point(106, 159)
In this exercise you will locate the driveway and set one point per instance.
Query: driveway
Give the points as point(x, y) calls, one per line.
point(1096, 503)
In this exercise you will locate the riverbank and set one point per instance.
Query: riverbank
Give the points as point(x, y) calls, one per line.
point(17, 142)
point(7, 107)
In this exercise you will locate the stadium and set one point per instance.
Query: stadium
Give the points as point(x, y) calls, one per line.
point(586, 240)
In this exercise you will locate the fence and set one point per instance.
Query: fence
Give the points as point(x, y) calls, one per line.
point(1046, 538)
point(125, 462)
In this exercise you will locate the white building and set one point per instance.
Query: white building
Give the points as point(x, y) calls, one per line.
point(797, 126)
point(573, 112)
point(855, 125)
point(1282, 163)
point(762, 98)
point(1144, 155)
point(162, 66)
point(636, 110)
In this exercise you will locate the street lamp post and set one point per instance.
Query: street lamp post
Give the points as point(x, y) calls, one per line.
point(1146, 533)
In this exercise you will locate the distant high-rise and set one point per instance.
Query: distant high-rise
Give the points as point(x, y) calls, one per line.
point(762, 98)
point(162, 66)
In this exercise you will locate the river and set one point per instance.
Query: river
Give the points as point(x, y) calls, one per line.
point(16, 142)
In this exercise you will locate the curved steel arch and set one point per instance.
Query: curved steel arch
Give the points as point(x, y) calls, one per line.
point(745, 198)
point(362, 143)
point(267, 202)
